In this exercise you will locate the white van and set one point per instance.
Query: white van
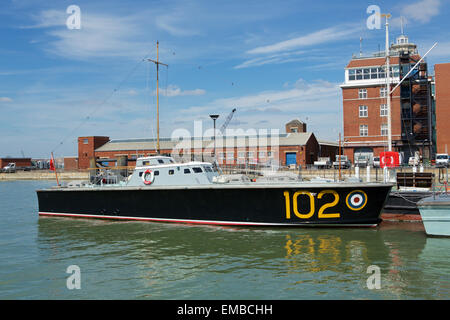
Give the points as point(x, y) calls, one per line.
point(442, 159)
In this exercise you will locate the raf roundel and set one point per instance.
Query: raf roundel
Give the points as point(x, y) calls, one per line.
point(356, 200)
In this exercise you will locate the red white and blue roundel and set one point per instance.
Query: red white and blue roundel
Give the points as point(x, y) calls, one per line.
point(356, 200)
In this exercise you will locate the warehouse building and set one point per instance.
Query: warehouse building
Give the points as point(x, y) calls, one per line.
point(293, 148)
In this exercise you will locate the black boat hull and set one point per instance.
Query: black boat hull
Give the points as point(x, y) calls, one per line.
point(405, 202)
point(333, 205)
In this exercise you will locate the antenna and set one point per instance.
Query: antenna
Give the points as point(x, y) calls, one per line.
point(157, 63)
point(401, 24)
point(360, 46)
point(388, 83)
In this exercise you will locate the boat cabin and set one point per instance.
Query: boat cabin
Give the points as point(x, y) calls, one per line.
point(163, 171)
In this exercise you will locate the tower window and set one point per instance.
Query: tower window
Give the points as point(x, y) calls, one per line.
point(383, 110)
point(363, 130)
point(363, 112)
point(362, 94)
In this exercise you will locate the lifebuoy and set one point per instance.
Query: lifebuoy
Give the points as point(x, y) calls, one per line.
point(148, 177)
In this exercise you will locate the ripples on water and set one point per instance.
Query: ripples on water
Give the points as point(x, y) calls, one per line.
point(142, 260)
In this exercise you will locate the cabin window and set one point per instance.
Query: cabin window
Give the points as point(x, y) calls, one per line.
point(156, 173)
point(208, 169)
point(171, 172)
point(160, 161)
point(197, 170)
point(140, 174)
point(187, 171)
point(145, 163)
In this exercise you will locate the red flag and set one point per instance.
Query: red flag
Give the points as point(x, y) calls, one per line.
point(52, 164)
point(389, 159)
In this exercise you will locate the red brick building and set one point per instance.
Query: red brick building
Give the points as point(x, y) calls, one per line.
point(70, 163)
point(290, 148)
point(442, 97)
point(295, 126)
point(86, 149)
point(365, 113)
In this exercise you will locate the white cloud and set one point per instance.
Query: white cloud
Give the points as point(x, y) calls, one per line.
point(422, 11)
point(132, 92)
point(171, 24)
point(175, 91)
point(442, 50)
point(284, 57)
point(317, 102)
point(292, 50)
point(303, 96)
point(48, 18)
point(5, 99)
point(314, 38)
point(101, 35)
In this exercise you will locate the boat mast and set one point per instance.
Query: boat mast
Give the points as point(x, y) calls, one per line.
point(388, 84)
point(157, 63)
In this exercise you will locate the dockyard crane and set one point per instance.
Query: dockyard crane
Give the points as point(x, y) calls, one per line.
point(227, 121)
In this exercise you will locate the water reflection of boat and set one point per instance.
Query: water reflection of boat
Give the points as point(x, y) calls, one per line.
point(179, 260)
point(435, 257)
point(312, 249)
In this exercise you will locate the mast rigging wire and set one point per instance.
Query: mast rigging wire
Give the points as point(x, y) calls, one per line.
point(88, 117)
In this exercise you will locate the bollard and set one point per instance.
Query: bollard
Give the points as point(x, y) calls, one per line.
point(357, 172)
point(368, 173)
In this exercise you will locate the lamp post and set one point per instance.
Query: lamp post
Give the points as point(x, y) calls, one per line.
point(214, 117)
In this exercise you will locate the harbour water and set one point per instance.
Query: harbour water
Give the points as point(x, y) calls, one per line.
point(143, 260)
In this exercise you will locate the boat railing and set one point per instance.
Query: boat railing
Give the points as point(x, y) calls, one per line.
point(109, 175)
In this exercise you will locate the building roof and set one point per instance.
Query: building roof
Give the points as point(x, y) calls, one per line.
point(295, 121)
point(328, 143)
point(375, 61)
point(282, 139)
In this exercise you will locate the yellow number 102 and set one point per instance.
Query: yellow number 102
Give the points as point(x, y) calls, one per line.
point(321, 214)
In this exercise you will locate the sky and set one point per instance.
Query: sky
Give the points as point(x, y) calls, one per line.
point(274, 61)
